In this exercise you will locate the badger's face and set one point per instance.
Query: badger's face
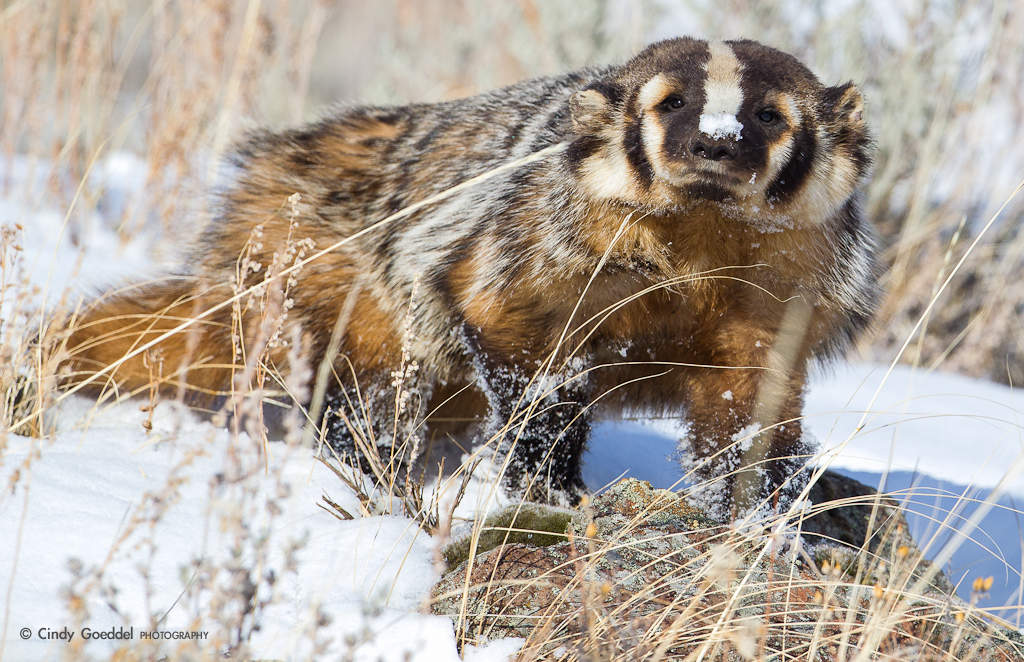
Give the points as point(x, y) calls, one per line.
point(736, 124)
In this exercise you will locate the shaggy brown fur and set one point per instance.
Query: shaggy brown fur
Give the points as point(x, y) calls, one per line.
point(695, 242)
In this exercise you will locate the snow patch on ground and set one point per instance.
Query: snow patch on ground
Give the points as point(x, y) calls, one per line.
point(77, 252)
point(95, 495)
point(501, 650)
point(954, 428)
point(966, 431)
point(81, 495)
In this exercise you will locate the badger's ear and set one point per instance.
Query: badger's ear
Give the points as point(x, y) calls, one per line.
point(592, 108)
point(845, 121)
point(846, 104)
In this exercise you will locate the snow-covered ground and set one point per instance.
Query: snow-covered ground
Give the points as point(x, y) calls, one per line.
point(954, 428)
point(84, 503)
point(92, 496)
point(89, 495)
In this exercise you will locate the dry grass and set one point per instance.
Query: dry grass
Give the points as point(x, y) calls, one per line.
point(689, 591)
point(170, 81)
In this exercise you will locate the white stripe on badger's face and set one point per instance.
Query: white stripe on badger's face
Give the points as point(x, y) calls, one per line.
point(723, 95)
point(779, 151)
point(652, 93)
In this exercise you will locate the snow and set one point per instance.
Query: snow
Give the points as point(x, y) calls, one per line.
point(97, 495)
point(79, 493)
point(500, 650)
point(721, 125)
point(52, 239)
point(959, 429)
point(940, 441)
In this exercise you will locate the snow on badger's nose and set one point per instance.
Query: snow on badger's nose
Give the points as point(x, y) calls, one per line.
point(723, 97)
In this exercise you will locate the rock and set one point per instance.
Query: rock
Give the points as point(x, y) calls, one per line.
point(848, 524)
point(528, 523)
point(640, 572)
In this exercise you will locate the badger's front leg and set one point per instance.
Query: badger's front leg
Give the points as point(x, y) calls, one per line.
point(538, 423)
point(745, 439)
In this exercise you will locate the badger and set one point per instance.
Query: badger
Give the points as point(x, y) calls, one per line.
point(679, 235)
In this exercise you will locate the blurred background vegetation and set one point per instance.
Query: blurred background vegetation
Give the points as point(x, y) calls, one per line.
point(175, 81)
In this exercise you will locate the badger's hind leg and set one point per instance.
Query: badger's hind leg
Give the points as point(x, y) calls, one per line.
point(377, 419)
point(339, 422)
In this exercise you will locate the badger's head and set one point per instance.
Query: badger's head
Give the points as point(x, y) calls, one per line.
point(735, 124)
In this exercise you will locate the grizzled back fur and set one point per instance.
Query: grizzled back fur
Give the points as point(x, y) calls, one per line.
point(700, 189)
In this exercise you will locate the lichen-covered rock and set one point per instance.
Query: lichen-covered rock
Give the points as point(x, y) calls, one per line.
point(527, 523)
point(641, 573)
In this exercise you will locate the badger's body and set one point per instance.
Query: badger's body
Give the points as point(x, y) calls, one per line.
point(694, 243)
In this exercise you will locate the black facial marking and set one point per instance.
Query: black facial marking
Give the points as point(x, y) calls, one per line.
point(634, 144)
point(580, 149)
point(857, 144)
point(708, 191)
point(672, 102)
point(608, 90)
point(795, 172)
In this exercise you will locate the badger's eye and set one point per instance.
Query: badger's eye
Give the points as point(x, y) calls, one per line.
point(672, 103)
point(768, 116)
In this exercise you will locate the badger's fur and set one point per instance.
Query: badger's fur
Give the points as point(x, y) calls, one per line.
point(694, 243)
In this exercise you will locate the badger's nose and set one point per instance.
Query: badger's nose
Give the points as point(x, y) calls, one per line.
point(713, 150)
